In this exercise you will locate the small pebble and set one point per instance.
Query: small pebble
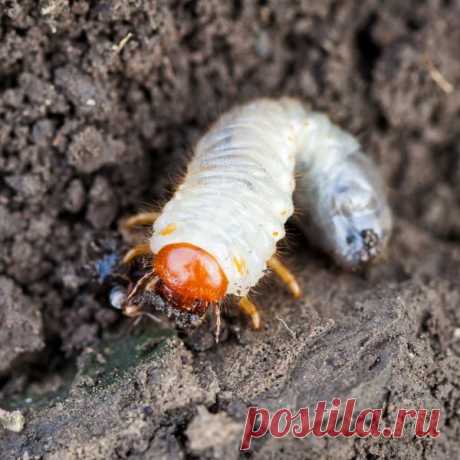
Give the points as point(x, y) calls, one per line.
point(12, 421)
point(117, 297)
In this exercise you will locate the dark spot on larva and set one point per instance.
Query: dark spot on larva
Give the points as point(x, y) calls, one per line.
point(370, 238)
point(350, 239)
point(371, 243)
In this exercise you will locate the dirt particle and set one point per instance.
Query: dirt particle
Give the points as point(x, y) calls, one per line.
point(9, 223)
point(21, 332)
point(90, 150)
point(28, 186)
point(43, 132)
point(79, 89)
point(215, 432)
point(103, 205)
point(75, 197)
point(87, 152)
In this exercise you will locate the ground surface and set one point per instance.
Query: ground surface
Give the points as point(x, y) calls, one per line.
point(91, 132)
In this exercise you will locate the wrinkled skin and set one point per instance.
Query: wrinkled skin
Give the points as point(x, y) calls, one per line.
point(345, 210)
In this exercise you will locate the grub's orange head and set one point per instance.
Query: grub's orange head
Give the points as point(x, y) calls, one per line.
point(191, 278)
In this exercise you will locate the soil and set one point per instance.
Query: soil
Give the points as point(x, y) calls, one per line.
point(100, 105)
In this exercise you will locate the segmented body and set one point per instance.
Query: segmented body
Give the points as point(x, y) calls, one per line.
point(340, 195)
point(238, 191)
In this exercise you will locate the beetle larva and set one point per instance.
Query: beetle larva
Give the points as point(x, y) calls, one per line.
point(218, 233)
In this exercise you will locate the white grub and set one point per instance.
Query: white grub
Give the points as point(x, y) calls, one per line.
point(238, 191)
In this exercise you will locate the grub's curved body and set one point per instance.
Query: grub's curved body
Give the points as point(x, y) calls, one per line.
point(238, 192)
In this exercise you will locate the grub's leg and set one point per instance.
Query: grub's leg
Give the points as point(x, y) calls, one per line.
point(137, 251)
point(285, 275)
point(139, 286)
point(251, 310)
point(143, 218)
point(138, 318)
point(132, 311)
point(150, 286)
point(153, 318)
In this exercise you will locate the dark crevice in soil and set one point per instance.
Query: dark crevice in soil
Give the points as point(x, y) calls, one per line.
point(369, 50)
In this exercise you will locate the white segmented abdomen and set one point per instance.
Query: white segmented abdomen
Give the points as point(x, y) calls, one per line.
point(237, 193)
